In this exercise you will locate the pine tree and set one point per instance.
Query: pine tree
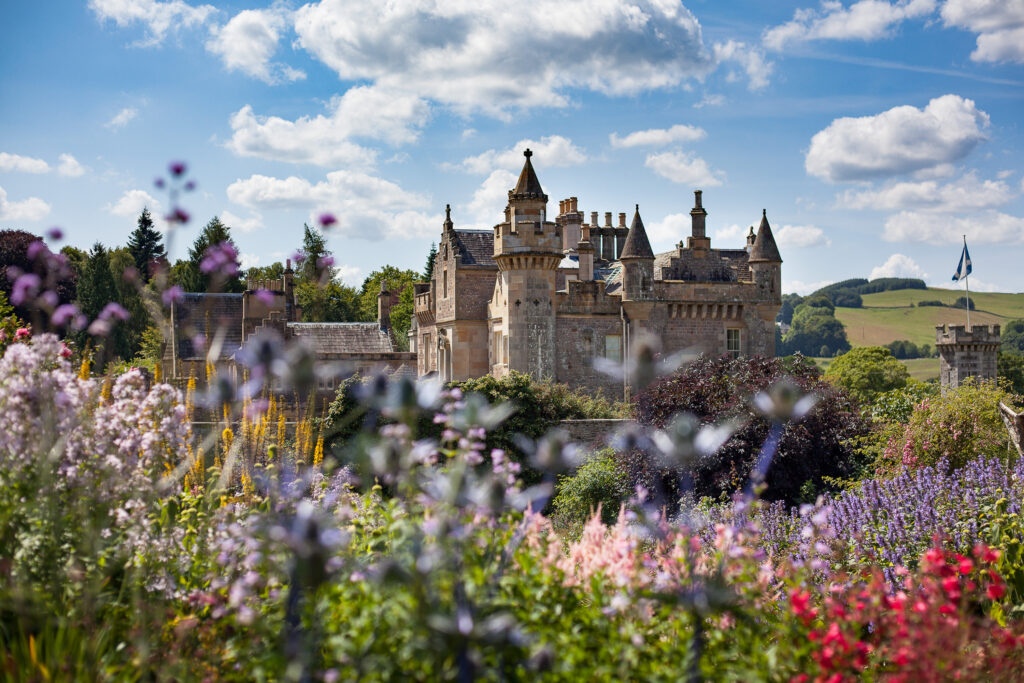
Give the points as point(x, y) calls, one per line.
point(194, 280)
point(96, 289)
point(314, 248)
point(428, 271)
point(146, 245)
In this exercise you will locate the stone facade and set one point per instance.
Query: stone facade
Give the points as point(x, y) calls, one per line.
point(964, 354)
point(213, 328)
point(546, 297)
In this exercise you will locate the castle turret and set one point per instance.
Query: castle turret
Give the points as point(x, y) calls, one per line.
point(527, 250)
point(766, 272)
point(637, 262)
point(966, 353)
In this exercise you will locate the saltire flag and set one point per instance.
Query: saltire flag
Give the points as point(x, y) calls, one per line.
point(963, 269)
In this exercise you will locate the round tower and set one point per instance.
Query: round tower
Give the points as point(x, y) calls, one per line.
point(637, 263)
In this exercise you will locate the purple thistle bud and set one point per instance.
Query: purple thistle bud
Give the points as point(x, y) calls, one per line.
point(55, 234)
point(114, 310)
point(299, 256)
point(159, 183)
point(173, 294)
point(190, 185)
point(220, 258)
point(25, 287)
point(49, 299)
point(36, 249)
point(177, 168)
point(177, 215)
point(64, 314)
point(325, 262)
point(327, 220)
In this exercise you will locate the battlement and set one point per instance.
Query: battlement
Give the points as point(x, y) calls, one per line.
point(958, 334)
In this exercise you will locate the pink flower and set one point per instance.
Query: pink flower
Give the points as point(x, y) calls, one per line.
point(22, 333)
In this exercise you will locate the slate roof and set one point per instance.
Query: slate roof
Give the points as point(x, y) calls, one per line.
point(476, 247)
point(528, 186)
point(637, 245)
point(206, 314)
point(765, 248)
point(330, 338)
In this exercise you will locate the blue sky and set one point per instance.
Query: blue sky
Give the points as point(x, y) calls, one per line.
point(875, 133)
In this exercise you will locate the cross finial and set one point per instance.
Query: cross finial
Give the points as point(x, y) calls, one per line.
point(447, 212)
point(638, 208)
point(764, 212)
point(527, 153)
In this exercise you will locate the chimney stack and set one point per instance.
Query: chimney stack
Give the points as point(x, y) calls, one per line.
point(593, 219)
point(607, 219)
point(698, 216)
point(384, 308)
point(622, 220)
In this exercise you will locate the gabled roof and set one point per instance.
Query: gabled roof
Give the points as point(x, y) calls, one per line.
point(328, 338)
point(637, 245)
point(476, 247)
point(528, 186)
point(765, 248)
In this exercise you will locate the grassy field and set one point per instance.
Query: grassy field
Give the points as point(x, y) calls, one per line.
point(889, 316)
point(922, 369)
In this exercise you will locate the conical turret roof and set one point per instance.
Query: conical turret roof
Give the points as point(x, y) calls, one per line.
point(637, 245)
point(765, 248)
point(528, 186)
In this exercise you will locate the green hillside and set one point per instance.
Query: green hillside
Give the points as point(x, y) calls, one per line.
point(889, 316)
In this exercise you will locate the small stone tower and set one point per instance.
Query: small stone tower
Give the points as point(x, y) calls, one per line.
point(766, 269)
point(637, 263)
point(964, 354)
point(527, 250)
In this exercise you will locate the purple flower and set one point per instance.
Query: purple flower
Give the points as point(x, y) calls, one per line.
point(35, 250)
point(49, 299)
point(178, 215)
point(64, 314)
point(55, 234)
point(220, 258)
point(266, 296)
point(327, 220)
point(299, 256)
point(190, 185)
point(177, 168)
point(25, 287)
point(173, 294)
point(159, 182)
point(114, 310)
point(99, 328)
point(325, 262)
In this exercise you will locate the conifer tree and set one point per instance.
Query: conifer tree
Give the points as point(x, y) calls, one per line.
point(146, 245)
point(96, 289)
point(314, 249)
point(193, 279)
point(428, 270)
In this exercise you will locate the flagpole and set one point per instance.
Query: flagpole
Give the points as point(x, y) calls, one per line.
point(967, 288)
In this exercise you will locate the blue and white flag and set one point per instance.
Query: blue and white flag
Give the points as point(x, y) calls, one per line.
point(964, 267)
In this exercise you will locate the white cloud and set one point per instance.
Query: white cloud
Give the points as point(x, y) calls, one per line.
point(729, 234)
point(248, 41)
point(966, 192)
point(31, 209)
point(976, 284)
point(801, 236)
point(669, 230)
point(131, 203)
point(1004, 174)
point(658, 136)
point(751, 58)
point(16, 162)
point(247, 260)
point(549, 151)
point(496, 56)
point(684, 168)
point(987, 227)
point(348, 274)
point(122, 118)
point(998, 23)
point(253, 222)
point(69, 166)
point(897, 265)
point(710, 101)
point(159, 18)
point(362, 112)
point(900, 140)
point(490, 198)
point(366, 207)
point(803, 288)
point(935, 172)
point(863, 20)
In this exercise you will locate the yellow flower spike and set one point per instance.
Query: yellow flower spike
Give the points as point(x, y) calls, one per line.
point(85, 369)
point(158, 375)
point(105, 391)
point(318, 454)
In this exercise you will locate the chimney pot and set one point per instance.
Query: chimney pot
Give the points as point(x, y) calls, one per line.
point(593, 218)
point(622, 220)
point(696, 198)
point(608, 218)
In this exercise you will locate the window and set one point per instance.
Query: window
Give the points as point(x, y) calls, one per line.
point(613, 347)
point(732, 342)
point(444, 278)
point(496, 341)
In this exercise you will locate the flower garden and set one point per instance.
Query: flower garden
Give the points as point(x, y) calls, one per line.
point(755, 522)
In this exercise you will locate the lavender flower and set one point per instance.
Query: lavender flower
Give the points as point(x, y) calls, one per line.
point(220, 258)
point(173, 294)
point(25, 288)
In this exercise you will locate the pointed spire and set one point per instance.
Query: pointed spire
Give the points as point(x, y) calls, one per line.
point(637, 245)
point(765, 248)
point(528, 186)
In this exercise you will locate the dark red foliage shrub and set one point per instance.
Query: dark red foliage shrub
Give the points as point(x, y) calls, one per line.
point(717, 389)
point(14, 246)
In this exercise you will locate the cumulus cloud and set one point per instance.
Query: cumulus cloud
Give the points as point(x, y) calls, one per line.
point(69, 166)
point(248, 260)
point(658, 136)
point(987, 227)
point(366, 207)
point(667, 232)
point(801, 236)
point(710, 101)
point(750, 58)
point(121, 118)
point(348, 274)
point(253, 222)
point(159, 18)
point(900, 140)
point(863, 20)
point(549, 151)
point(30, 209)
point(367, 112)
point(495, 56)
point(897, 265)
point(998, 23)
point(248, 41)
point(132, 202)
point(976, 285)
point(684, 168)
point(22, 164)
point(490, 198)
point(967, 192)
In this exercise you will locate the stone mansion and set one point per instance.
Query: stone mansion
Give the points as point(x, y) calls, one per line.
point(547, 297)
